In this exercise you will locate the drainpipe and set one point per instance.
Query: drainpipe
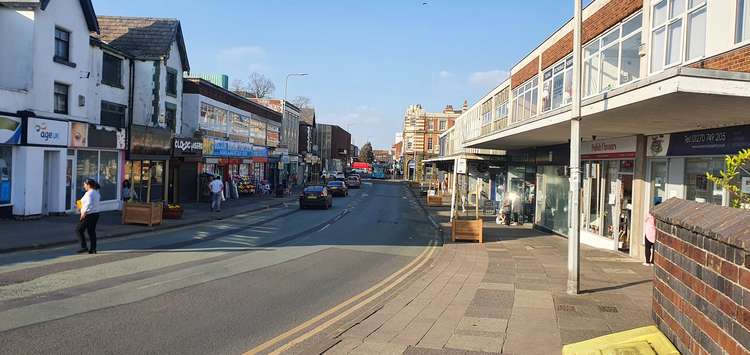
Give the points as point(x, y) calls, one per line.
point(574, 232)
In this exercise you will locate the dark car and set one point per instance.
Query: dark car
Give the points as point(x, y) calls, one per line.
point(338, 188)
point(353, 182)
point(315, 196)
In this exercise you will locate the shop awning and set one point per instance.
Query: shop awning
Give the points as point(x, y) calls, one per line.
point(677, 100)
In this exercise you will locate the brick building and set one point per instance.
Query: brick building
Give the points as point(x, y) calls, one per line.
point(421, 136)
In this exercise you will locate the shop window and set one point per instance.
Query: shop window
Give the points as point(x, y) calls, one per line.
point(6, 162)
point(111, 70)
point(61, 98)
point(62, 45)
point(613, 59)
point(697, 186)
point(113, 114)
point(100, 166)
point(742, 33)
point(678, 32)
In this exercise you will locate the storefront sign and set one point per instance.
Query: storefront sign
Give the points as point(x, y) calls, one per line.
point(224, 148)
point(10, 130)
point(106, 137)
point(656, 146)
point(460, 166)
point(150, 141)
point(718, 141)
point(260, 152)
point(42, 131)
point(187, 147)
point(618, 148)
point(79, 134)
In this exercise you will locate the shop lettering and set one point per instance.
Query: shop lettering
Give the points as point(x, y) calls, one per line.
point(603, 147)
point(188, 145)
point(44, 134)
point(706, 138)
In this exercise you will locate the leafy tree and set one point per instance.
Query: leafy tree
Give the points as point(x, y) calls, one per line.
point(365, 153)
point(730, 177)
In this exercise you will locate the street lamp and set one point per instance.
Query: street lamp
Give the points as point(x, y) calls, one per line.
point(283, 105)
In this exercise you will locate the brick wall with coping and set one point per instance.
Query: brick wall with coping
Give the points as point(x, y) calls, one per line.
point(527, 72)
point(734, 60)
point(702, 277)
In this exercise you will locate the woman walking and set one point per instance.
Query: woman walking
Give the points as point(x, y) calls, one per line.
point(89, 216)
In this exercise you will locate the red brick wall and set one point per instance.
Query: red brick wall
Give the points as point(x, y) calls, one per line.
point(603, 19)
point(526, 73)
point(735, 60)
point(701, 279)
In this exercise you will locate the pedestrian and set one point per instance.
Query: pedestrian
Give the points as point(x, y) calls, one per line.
point(126, 191)
point(650, 237)
point(89, 216)
point(216, 187)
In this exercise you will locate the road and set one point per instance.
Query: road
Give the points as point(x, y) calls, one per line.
point(223, 287)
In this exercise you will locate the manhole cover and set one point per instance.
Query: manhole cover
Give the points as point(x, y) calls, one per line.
point(566, 308)
point(608, 309)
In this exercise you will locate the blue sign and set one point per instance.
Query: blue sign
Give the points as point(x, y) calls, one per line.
point(260, 152)
point(719, 141)
point(10, 130)
point(232, 149)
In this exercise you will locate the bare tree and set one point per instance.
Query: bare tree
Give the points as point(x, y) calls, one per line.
point(237, 85)
point(302, 102)
point(260, 86)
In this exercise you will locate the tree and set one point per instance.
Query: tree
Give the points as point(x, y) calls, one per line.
point(731, 178)
point(302, 102)
point(365, 153)
point(260, 86)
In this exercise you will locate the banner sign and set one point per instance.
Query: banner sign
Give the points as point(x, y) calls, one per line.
point(618, 148)
point(42, 131)
point(719, 141)
point(223, 148)
point(10, 130)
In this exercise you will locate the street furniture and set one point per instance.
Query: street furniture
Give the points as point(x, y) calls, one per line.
point(643, 341)
point(148, 213)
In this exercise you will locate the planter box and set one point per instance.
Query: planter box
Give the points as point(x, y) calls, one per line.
point(173, 213)
point(142, 213)
point(434, 200)
point(467, 230)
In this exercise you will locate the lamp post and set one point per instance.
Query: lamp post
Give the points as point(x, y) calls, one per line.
point(284, 121)
point(574, 232)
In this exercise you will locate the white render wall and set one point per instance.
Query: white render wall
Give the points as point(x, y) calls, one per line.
point(28, 180)
point(144, 86)
point(173, 61)
point(99, 92)
point(16, 35)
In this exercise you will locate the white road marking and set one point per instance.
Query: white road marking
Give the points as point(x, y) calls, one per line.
point(324, 227)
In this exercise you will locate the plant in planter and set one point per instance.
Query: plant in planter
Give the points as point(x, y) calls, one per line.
point(732, 180)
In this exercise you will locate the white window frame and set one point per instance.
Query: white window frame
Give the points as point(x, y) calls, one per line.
point(519, 92)
point(567, 70)
point(741, 15)
point(600, 49)
point(684, 33)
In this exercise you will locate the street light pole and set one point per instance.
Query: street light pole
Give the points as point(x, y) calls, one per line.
point(574, 231)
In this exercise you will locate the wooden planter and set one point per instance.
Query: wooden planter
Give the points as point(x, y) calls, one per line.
point(173, 213)
point(142, 213)
point(467, 230)
point(434, 200)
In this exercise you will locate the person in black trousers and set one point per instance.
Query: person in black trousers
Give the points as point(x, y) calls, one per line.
point(89, 216)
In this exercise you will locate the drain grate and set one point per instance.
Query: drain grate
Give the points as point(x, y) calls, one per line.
point(608, 309)
point(566, 308)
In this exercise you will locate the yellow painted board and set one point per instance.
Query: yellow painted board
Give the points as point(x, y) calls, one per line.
point(640, 341)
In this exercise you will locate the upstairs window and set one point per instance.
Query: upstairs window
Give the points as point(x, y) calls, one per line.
point(61, 98)
point(525, 100)
point(558, 85)
point(441, 125)
point(113, 114)
point(171, 82)
point(613, 59)
point(170, 115)
point(432, 124)
point(62, 45)
point(743, 21)
point(111, 70)
point(429, 143)
point(678, 32)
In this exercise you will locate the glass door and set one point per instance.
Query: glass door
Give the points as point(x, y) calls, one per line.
point(69, 186)
point(658, 182)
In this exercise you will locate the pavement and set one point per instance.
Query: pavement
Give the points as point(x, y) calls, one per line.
point(219, 287)
point(504, 296)
point(60, 230)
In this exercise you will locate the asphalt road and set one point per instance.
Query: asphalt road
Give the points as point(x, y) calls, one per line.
point(220, 288)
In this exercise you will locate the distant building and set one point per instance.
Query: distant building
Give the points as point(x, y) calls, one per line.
point(221, 80)
point(382, 155)
point(335, 146)
point(421, 136)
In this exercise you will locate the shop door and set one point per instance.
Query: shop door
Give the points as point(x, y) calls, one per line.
point(69, 185)
point(49, 188)
point(657, 182)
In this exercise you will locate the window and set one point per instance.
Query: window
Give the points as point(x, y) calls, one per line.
point(743, 21)
point(432, 125)
point(698, 187)
point(62, 45)
point(429, 144)
point(112, 114)
point(613, 59)
point(678, 32)
point(170, 115)
point(501, 105)
point(409, 143)
point(558, 85)
point(171, 82)
point(111, 70)
point(526, 98)
point(213, 118)
point(101, 166)
point(486, 112)
point(441, 125)
point(61, 98)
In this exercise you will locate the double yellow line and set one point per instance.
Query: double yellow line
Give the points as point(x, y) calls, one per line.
point(356, 302)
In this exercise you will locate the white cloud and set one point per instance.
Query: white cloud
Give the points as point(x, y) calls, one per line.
point(240, 61)
point(490, 78)
point(444, 74)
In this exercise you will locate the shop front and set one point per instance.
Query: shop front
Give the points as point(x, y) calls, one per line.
point(187, 157)
point(94, 152)
point(678, 163)
point(608, 168)
point(10, 137)
point(148, 163)
point(239, 164)
point(553, 186)
point(521, 184)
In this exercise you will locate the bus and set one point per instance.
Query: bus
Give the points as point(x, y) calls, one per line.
point(361, 168)
point(378, 171)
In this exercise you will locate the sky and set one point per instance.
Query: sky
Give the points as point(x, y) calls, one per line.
point(367, 60)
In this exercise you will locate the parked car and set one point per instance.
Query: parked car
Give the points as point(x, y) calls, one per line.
point(353, 182)
point(338, 188)
point(315, 196)
point(340, 176)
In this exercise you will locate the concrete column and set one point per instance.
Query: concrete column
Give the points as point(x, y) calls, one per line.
point(639, 202)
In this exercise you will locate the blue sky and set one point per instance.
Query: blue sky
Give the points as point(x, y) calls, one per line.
point(367, 59)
